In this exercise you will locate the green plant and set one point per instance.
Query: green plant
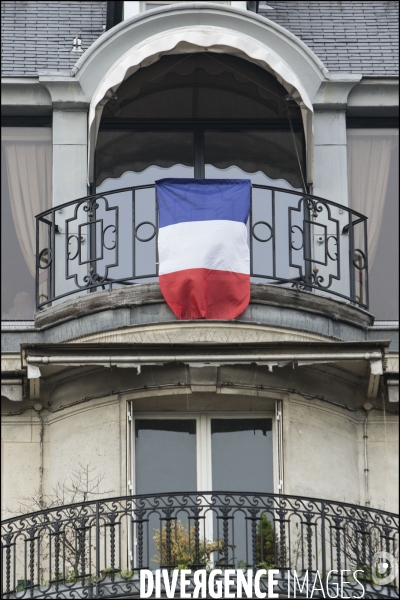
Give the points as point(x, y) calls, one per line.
point(182, 546)
point(22, 585)
point(127, 574)
point(265, 544)
point(71, 577)
point(107, 571)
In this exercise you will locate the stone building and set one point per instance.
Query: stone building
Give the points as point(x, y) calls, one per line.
point(268, 441)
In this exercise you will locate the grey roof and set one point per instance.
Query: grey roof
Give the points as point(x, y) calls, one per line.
point(39, 35)
point(356, 37)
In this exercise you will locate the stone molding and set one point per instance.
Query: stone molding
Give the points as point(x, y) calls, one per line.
point(149, 293)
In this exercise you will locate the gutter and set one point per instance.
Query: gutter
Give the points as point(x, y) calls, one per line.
point(267, 358)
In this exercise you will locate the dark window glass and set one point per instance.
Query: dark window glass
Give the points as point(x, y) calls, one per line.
point(165, 455)
point(26, 181)
point(160, 124)
point(267, 157)
point(242, 455)
point(241, 451)
point(202, 85)
point(142, 157)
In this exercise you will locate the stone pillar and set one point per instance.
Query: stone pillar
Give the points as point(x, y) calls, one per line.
point(70, 115)
point(330, 156)
point(69, 155)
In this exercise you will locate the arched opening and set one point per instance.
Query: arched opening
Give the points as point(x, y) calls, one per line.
point(200, 115)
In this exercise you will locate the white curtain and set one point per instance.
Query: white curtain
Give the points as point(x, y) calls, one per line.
point(369, 153)
point(28, 155)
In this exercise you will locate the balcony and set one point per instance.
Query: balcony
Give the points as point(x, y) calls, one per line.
point(109, 240)
point(97, 548)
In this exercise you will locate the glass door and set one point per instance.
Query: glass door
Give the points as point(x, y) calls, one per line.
point(216, 455)
point(202, 453)
point(134, 156)
point(241, 455)
point(165, 456)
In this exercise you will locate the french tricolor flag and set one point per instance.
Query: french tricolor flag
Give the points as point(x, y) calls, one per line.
point(204, 258)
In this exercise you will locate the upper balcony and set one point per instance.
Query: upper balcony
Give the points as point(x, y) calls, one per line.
point(109, 240)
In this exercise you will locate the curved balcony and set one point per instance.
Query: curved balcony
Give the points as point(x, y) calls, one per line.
point(109, 240)
point(97, 548)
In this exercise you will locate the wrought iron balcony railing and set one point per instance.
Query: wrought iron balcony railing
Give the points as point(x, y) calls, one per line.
point(108, 240)
point(97, 549)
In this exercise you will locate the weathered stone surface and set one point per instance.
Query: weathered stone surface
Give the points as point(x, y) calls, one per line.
point(149, 293)
point(200, 333)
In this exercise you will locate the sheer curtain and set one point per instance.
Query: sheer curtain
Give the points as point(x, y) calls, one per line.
point(28, 158)
point(368, 154)
point(27, 170)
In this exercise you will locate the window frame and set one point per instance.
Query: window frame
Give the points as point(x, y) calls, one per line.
point(203, 442)
point(203, 449)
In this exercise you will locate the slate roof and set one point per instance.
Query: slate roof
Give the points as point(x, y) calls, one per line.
point(357, 37)
point(39, 35)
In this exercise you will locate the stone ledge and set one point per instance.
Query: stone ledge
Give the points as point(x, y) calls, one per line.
point(149, 293)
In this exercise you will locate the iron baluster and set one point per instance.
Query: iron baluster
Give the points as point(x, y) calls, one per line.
point(282, 537)
point(97, 522)
point(31, 540)
point(352, 271)
point(225, 529)
point(7, 546)
point(37, 263)
point(253, 519)
point(309, 539)
point(52, 257)
point(366, 267)
point(338, 523)
point(57, 554)
point(323, 544)
point(139, 522)
point(92, 245)
point(81, 554)
point(196, 511)
point(273, 235)
point(307, 244)
point(133, 233)
point(168, 537)
point(363, 533)
point(112, 545)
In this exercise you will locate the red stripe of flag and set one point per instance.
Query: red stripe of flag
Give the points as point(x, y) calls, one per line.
point(205, 293)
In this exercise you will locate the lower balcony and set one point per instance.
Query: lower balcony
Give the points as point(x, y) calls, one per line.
point(109, 240)
point(98, 549)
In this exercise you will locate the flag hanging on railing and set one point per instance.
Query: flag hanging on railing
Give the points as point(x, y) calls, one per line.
point(204, 257)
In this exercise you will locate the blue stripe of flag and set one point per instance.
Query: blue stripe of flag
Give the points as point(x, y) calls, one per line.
point(182, 200)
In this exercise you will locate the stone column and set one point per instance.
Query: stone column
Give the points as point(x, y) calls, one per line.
point(70, 114)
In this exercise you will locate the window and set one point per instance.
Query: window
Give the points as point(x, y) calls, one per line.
point(197, 115)
point(200, 114)
point(26, 167)
point(373, 158)
point(202, 453)
point(207, 452)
